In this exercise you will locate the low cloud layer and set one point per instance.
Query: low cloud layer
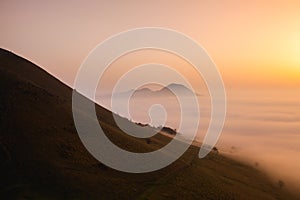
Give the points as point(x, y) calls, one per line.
point(262, 130)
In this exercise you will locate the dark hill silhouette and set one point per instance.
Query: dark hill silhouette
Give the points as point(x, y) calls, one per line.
point(42, 157)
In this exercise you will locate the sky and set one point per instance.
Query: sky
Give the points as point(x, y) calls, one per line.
point(254, 43)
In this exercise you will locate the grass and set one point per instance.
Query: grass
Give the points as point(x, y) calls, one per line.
point(42, 156)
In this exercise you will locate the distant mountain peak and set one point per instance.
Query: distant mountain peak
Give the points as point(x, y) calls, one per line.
point(177, 88)
point(170, 89)
point(176, 85)
point(144, 90)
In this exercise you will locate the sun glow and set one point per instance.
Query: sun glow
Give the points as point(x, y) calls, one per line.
point(295, 54)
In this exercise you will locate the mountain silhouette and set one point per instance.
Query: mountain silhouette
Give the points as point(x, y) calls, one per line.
point(42, 157)
point(172, 89)
point(178, 89)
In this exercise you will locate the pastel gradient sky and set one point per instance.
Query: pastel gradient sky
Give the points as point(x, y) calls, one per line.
point(254, 43)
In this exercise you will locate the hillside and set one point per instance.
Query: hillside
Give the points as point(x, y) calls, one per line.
point(42, 157)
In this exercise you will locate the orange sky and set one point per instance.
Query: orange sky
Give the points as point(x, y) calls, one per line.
point(254, 43)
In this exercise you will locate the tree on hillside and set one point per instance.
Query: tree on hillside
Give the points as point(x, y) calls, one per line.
point(215, 149)
point(148, 140)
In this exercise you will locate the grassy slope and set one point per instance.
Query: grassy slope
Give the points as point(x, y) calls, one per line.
point(41, 155)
